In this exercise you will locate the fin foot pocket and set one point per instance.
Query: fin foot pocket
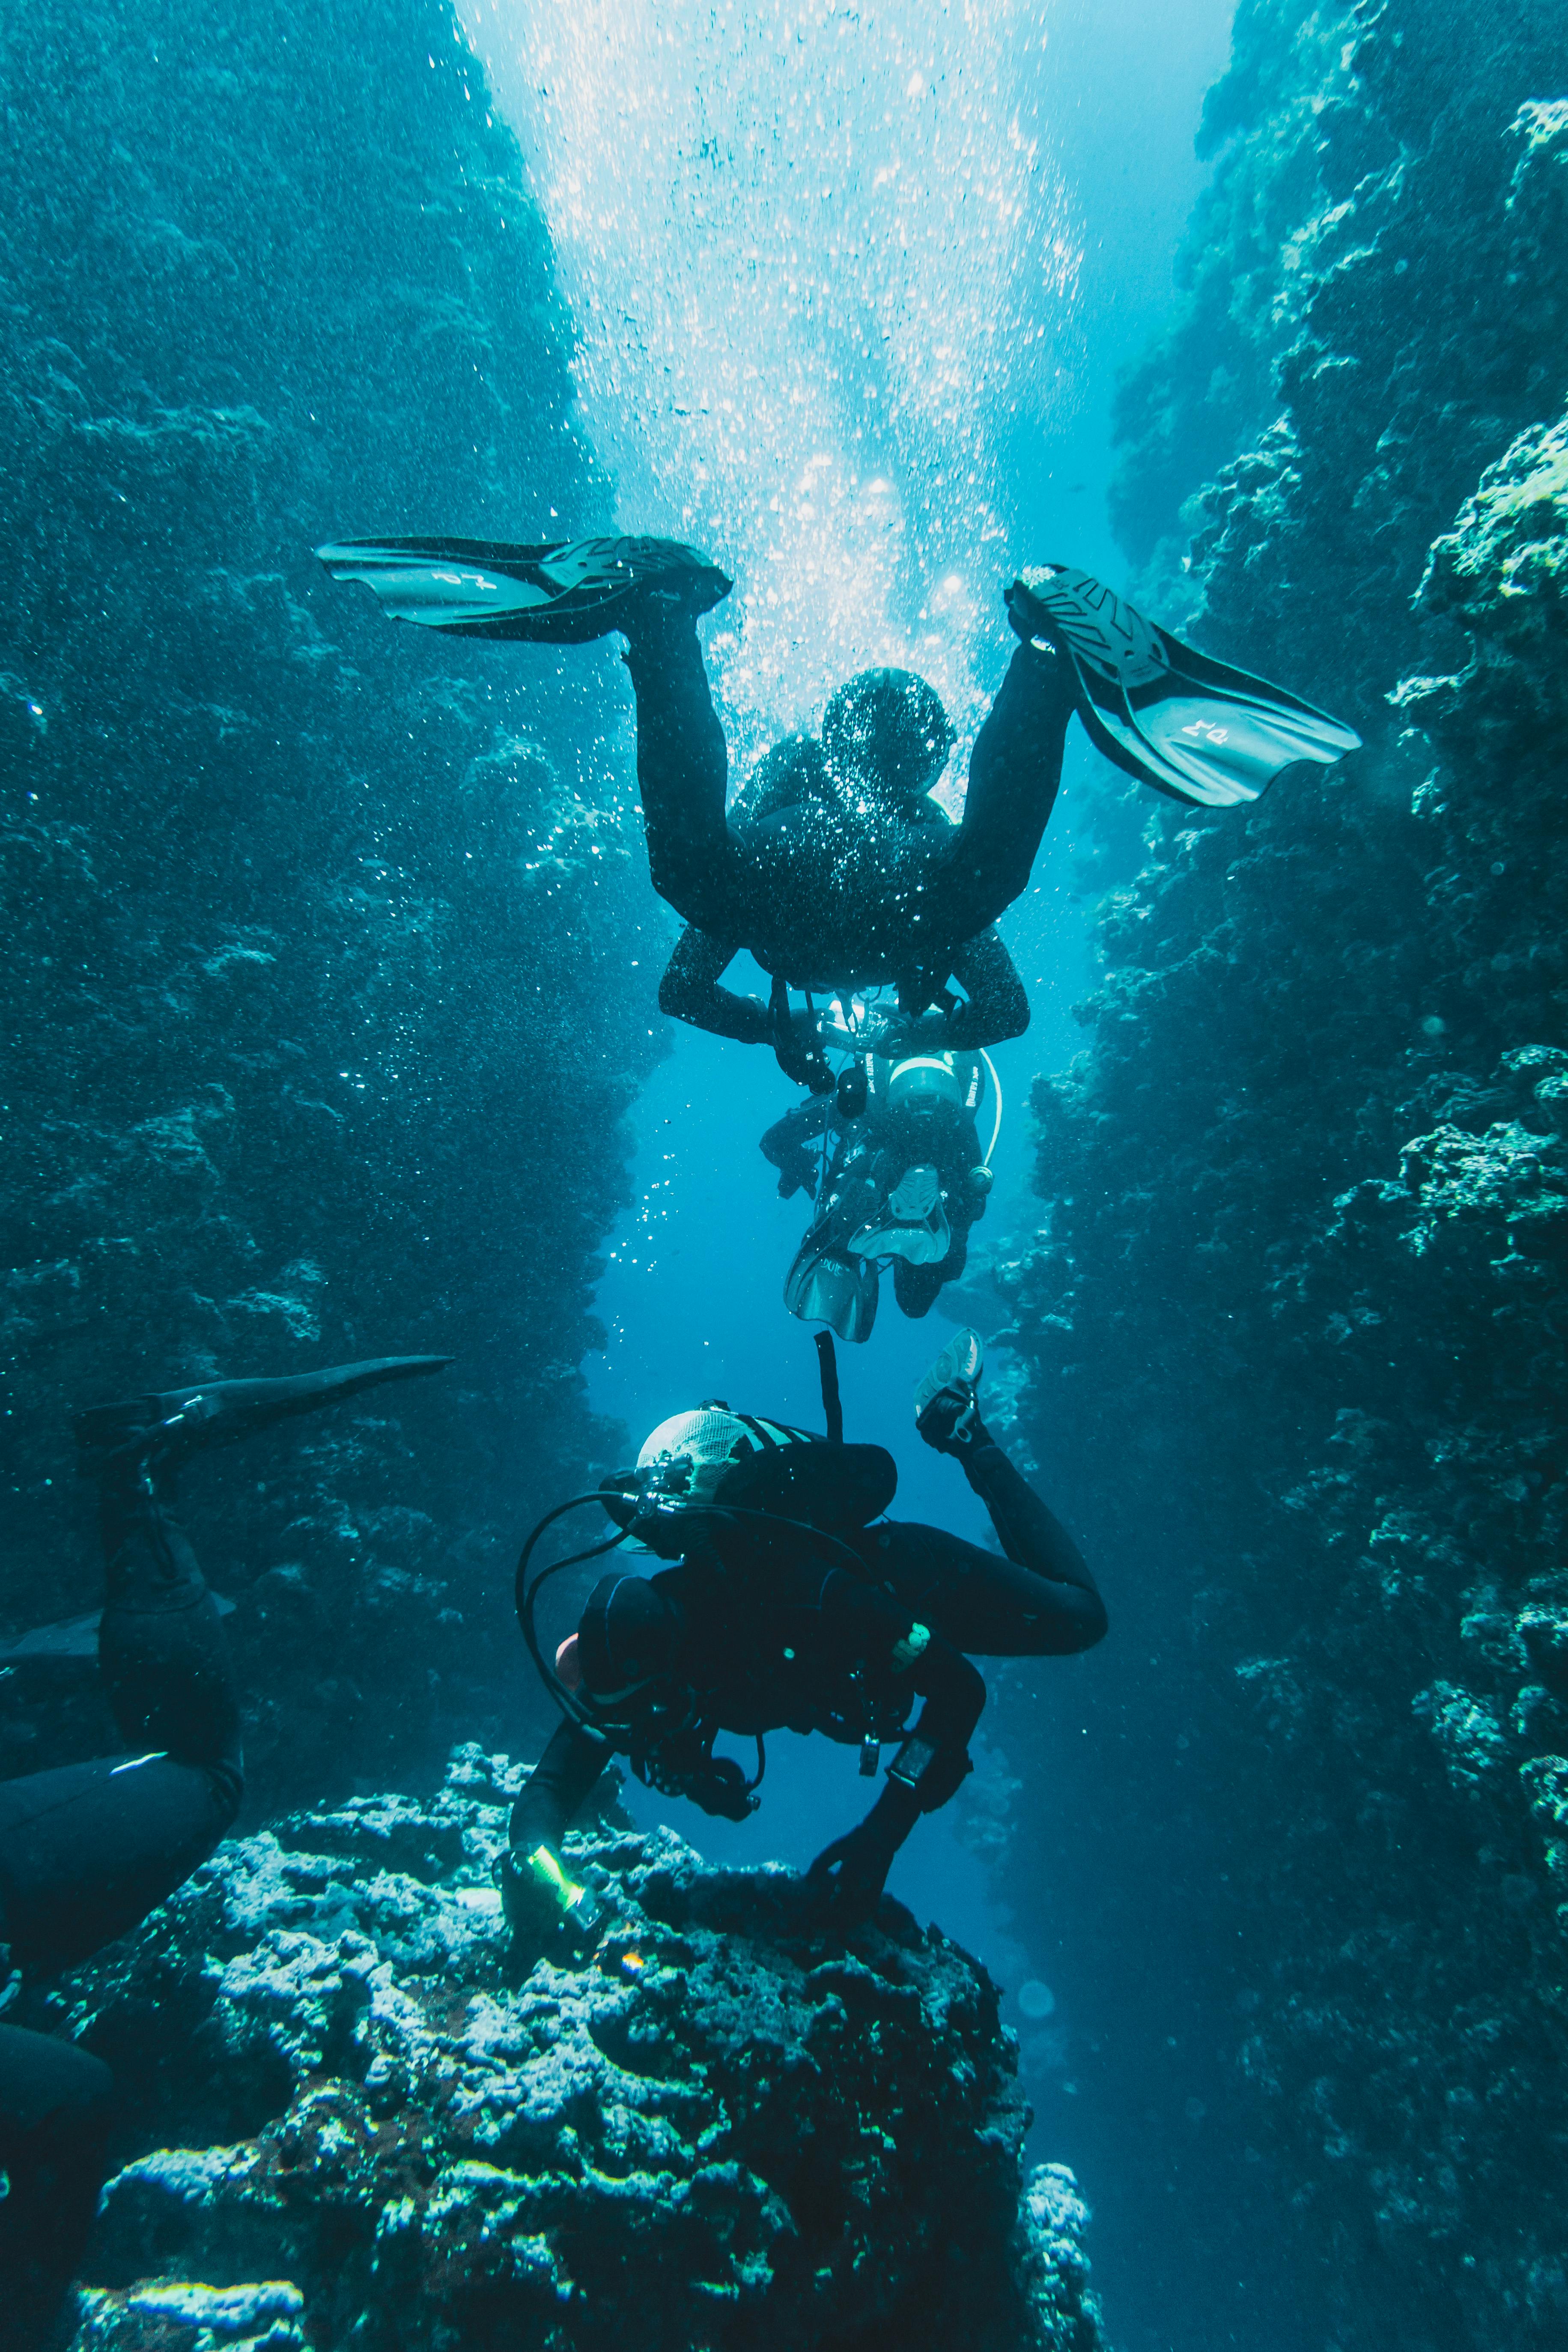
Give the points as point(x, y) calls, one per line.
point(1195, 728)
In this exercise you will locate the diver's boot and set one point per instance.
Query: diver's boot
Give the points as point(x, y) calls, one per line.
point(150, 1434)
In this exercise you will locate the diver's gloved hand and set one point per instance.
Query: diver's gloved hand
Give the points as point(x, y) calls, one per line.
point(795, 1045)
point(802, 1059)
point(848, 1877)
point(719, 1786)
point(797, 1174)
point(545, 1907)
point(923, 1032)
point(952, 1421)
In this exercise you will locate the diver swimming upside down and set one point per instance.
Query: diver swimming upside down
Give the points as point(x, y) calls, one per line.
point(833, 867)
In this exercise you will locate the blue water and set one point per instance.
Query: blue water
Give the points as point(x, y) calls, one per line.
point(852, 289)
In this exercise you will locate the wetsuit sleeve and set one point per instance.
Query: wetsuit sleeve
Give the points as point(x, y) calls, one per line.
point(870, 1623)
point(997, 1006)
point(557, 1788)
point(1035, 1538)
point(689, 991)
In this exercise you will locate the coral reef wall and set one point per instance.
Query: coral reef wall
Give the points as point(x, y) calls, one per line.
point(322, 1004)
point(1295, 1322)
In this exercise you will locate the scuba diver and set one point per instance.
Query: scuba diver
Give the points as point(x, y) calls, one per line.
point(789, 1602)
point(835, 868)
point(86, 1850)
point(899, 1178)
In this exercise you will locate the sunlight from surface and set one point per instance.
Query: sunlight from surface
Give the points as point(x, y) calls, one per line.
point(819, 265)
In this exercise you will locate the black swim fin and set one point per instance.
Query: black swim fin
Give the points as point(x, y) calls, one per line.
point(169, 1423)
point(72, 1637)
point(562, 593)
point(1190, 726)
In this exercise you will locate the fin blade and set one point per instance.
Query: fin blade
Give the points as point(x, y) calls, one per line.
point(562, 591)
point(445, 588)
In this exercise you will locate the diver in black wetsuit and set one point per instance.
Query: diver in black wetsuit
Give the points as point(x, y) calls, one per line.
point(788, 1607)
point(899, 1181)
point(88, 1850)
point(835, 868)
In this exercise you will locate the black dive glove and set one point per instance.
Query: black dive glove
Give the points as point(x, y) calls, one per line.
point(848, 1877)
point(546, 1909)
point(795, 1049)
point(952, 1421)
point(683, 1765)
point(720, 1788)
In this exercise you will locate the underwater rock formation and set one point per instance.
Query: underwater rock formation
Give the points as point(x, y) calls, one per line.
point(322, 989)
point(354, 2121)
point(1297, 1323)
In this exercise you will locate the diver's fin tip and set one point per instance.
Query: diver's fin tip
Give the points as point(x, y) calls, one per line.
point(961, 1363)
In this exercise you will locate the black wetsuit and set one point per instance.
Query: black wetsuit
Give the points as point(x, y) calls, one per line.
point(782, 1631)
point(829, 888)
point(86, 1850)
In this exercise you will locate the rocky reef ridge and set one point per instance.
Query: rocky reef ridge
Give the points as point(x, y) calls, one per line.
point(352, 2120)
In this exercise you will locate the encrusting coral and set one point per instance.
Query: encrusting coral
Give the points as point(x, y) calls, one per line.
point(357, 2121)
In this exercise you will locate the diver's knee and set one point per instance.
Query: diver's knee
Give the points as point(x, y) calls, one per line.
point(672, 997)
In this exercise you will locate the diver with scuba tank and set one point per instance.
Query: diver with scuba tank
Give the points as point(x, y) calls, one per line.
point(787, 1601)
point(897, 1177)
point(834, 866)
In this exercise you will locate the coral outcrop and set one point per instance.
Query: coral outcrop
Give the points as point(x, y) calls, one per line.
point(1296, 1323)
point(353, 2122)
point(323, 993)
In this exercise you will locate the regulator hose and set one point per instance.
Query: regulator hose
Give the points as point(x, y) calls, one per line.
point(526, 1595)
point(996, 1090)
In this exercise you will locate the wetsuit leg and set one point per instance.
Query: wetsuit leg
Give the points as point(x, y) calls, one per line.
point(1014, 771)
point(682, 771)
point(88, 1850)
point(55, 2112)
point(557, 1788)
